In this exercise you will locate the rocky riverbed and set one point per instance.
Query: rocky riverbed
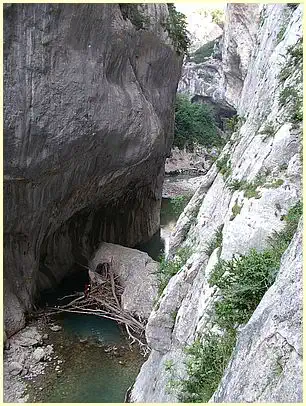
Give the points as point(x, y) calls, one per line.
point(193, 163)
point(75, 359)
point(27, 355)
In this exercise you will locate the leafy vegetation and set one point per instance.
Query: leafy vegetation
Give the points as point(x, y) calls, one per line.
point(268, 131)
point(169, 364)
point(194, 124)
point(224, 166)
point(280, 240)
point(281, 33)
point(296, 53)
point(170, 267)
point(205, 51)
point(293, 6)
point(249, 188)
point(233, 123)
point(206, 365)
point(176, 26)
point(178, 203)
point(242, 282)
point(236, 209)
point(217, 16)
point(274, 184)
point(287, 93)
point(215, 242)
point(290, 94)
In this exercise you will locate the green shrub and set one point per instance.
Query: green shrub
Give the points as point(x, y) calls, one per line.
point(224, 165)
point(281, 33)
point(284, 74)
point(268, 130)
point(242, 282)
point(249, 188)
point(205, 366)
point(194, 124)
point(170, 267)
point(215, 242)
point(296, 53)
point(286, 94)
point(275, 184)
point(290, 94)
point(176, 26)
point(169, 364)
point(280, 240)
point(178, 203)
point(247, 279)
point(233, 123)
point(236, 184)
point(203, 52)
point(236, 209)
point(292, 6)
point(217, 16)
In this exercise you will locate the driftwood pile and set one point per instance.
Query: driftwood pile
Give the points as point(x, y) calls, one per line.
point(103, 300)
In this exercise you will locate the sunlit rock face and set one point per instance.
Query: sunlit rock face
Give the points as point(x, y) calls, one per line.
point(88, 121)
point(266, 364)
point(218, 80)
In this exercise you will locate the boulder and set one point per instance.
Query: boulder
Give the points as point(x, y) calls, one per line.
point(39, 354)
point(137, 275)
point(29, 337)
point(15, 368)
point(55, 328)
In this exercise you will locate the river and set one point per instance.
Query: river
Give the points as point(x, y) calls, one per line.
point(97, 363)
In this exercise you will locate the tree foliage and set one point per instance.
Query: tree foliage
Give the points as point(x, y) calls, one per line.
point(176, 26)
point(194, 124)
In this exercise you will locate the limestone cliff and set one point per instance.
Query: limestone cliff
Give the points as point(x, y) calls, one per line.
point(88, 122)
point(218, 79)
point(264, 153)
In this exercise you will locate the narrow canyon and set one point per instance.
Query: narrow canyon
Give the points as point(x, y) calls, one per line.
point(153, 202)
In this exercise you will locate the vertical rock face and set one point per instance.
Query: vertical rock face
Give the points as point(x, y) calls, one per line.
point(267, 362)
point(239, 40)
point(88, 95)
point(266, 146)
point(218, 80)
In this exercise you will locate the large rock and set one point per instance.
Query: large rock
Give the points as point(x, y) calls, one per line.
point(15, 368)
point(137, 274)
point(39, 354)
point(89, 92)
point(29, 337)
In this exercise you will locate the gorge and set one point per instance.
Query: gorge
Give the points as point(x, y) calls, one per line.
point(89, 100)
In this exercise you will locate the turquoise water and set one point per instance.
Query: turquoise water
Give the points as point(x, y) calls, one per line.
point(93, 328)
point(97, 370)
point(90, 373)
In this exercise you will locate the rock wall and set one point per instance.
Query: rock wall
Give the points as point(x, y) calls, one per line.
point(267, 365)
point(240, 35)
point(219, 79)
point(88, 119)
point(267, 146)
